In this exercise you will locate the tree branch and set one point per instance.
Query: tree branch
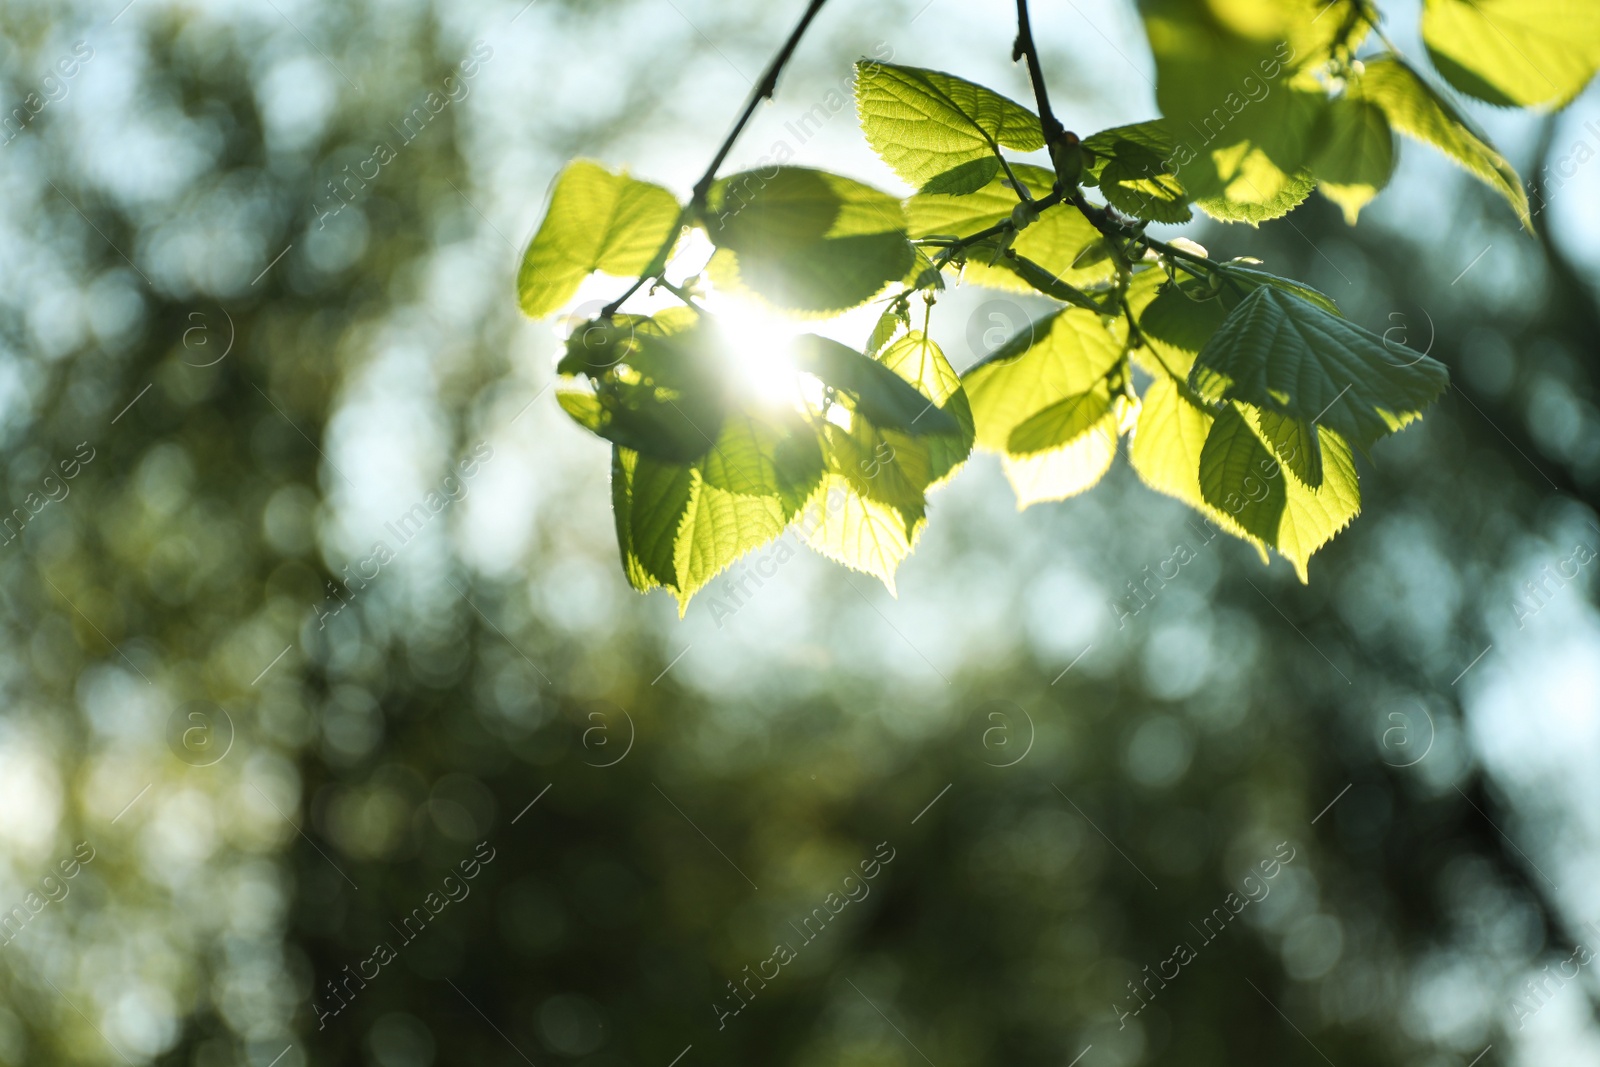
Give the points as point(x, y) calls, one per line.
point(762, 90)
point(1024, 47)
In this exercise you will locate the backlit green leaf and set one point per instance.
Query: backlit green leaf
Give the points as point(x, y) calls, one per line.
point(875, 390)
point(1249, 279)
point(1355, 154)
point(923, 123)
point(1515, 53)
point(1061, 423)
point(1240, 119)
point(1176, 325)
point(920, 362)
point(863, 534)
point(718, 527)
point(681, 524)
point(1061, 242)
point(1280, 353)
point(649, 499)
point(597, 220)
point(1059, 356)
point(1136, 172)
point(1294, 442)
point(1166, 448)
point(1062, 472)
point(964, 178)
point(1240, 476)
point(1418, 110)
point(658, 384)
point(804, 240)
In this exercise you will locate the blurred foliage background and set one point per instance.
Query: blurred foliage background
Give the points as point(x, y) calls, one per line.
point(272, 354)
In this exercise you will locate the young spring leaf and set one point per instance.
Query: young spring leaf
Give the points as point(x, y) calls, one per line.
point(1066, 470)
point(1240, 476)
point(1417, 110)
point(805, 240)
point(1136, 174)
point(863, 534)
point(1061, 423)
point(1279, 353)
point(649, 498)
point(963, 178)
point(1166, 448)
point(1240, 119)
point(1355, 154)
point(919, 361)
point(657, 385)
point(1294, 442)
point(1061, 243)
point(1024, 389)
point(874, 389)
point(597, 220)
point(681, 524)
point(1248, 280)
point(873, 506)
point(1062, 355)
point(1515, 53)
point(1176, 324)
point(924, 123)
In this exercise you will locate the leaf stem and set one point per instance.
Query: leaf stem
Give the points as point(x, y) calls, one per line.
point(762, 90)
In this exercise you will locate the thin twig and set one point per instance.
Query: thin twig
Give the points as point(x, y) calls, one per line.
point(763, 90)
point(954, 248)
point(1024, 47)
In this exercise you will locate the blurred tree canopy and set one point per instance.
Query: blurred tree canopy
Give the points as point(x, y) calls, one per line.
point(280, 363)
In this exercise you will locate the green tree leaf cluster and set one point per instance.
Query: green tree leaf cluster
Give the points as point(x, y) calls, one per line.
point(1244, 394)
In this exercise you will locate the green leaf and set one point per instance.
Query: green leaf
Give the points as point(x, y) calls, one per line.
point(1280, 353)
point(1065, 471)
point(1060, 242)
point(1166, 448)
point(873, 505)
point(1355, 154)
point(1136, 173)
point(649, 499)
point(804, 240)
point(1515, 53)
point(863, 534)
point(920, 362)
point(1059, 356)
point(681, 524)
point(658, 385)
point(923, 123)
point(718, 527)
point(1251, 279)
point(875, 390)
point(597, 220)
point(933, 213)
point(964, 178)
point(1418, 110)
point(1239, 476)
point(1061, 423)
point(760, 455)
point(1294, 442)
point(891, 322)
point(1176, 325)
point(1240, 118)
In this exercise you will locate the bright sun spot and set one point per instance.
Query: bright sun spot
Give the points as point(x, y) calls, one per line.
point(761, 340)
